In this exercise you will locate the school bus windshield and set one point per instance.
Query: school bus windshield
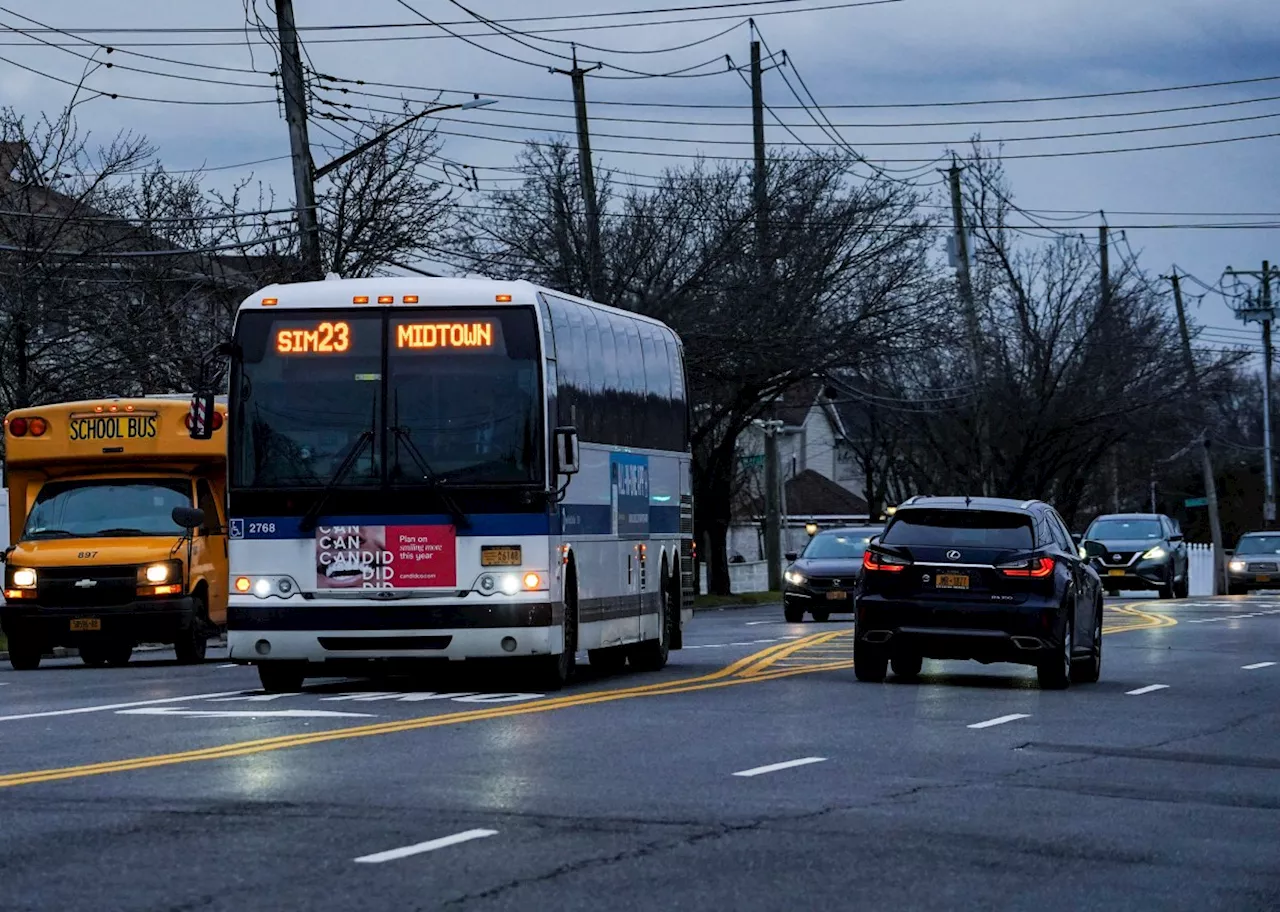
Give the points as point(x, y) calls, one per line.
point(101, 508)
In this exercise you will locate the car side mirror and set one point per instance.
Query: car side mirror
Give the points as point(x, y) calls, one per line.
point(567, 451)
point(1176, 537)
point(791, 555)
point(1093, 549)
point(189, 518)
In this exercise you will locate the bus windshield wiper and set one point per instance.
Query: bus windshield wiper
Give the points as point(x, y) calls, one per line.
point(309, 518)
point(430, 476)
point(125, 531)
point(52, 533)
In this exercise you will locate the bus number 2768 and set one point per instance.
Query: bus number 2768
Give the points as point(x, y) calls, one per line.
point(262, 528)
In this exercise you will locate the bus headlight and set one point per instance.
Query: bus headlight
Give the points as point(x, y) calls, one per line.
point(509, 583)
point(24, 578)
point(265, 586)
point(157, 573)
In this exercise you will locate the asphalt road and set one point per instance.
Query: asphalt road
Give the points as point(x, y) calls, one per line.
point(753, 773)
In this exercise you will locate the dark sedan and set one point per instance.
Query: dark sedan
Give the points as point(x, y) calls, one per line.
point(1255, 564)
point(824, 577)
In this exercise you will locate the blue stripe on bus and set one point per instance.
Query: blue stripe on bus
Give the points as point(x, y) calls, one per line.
point(576, 519)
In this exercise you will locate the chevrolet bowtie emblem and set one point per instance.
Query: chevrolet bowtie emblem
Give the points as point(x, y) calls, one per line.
point(86, 583)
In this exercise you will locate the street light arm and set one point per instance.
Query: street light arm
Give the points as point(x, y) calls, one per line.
point(341, 160)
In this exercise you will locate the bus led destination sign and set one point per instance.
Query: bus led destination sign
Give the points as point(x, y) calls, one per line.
point(444, 335)
point(327, 338)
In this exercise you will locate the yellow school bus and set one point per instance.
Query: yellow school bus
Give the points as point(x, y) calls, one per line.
point(116, 521)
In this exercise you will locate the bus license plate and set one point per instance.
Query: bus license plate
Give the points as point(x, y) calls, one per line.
point(85, 624)
point(837, 594)
point(500, 556)
point(953, 581)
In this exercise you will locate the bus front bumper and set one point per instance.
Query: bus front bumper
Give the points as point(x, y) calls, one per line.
point(304, 631)
point(143, 621)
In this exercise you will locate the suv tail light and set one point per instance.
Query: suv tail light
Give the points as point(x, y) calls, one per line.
point(1036, 568)
point(882, 562)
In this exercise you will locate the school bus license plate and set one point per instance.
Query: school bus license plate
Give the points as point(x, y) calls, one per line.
point(136, 426)
point(953, 581)
point(85, 625)
point(500, 556)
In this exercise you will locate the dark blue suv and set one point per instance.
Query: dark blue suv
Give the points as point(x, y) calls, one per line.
point(978, 578)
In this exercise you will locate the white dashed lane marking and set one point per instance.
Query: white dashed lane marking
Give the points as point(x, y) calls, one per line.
point(1256, 665)
point(774, 767)
point(1000, 720)
point(1150, 688)
point(432, 845)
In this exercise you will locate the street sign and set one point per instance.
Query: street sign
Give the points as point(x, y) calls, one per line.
point(1197, 501)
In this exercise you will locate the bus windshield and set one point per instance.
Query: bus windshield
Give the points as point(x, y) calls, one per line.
point(115, 508)
point(398, 398)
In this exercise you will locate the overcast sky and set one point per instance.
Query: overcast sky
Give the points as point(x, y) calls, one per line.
point(898, 54)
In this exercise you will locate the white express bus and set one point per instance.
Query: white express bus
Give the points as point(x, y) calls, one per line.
point(457, 469)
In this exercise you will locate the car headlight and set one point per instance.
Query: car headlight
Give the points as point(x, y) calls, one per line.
point(1155, 553)
point(795, 577)
point(1235, 565)
point(24, 578)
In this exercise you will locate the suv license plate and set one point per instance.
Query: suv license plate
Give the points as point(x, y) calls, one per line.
point(837, 594)
point(1115, 572)
point(1263, 579)
point(953, 581)
point(85, 624)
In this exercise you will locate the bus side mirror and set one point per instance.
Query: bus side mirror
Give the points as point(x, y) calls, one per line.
point(567, 455)
point(189, 518)
point(201, 417)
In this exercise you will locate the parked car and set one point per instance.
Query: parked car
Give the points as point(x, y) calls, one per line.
point(987, 579)
point(824, 577)
point(1255, 563)
point(1139, 551)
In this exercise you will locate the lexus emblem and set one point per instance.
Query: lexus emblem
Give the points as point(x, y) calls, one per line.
point(953, 555)
point(86, 583)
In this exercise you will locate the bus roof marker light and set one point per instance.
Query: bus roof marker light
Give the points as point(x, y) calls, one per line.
point(270, 302)
point(410, 299)
point(386, 299)
point(502, 299)
point(360, 299)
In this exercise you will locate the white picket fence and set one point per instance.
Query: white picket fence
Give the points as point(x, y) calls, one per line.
point(753, 576)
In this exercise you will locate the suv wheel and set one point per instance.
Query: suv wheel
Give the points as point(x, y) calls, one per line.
point(1054, 670)
point(1182, 588)
point(1089, 670)
point(793, 615)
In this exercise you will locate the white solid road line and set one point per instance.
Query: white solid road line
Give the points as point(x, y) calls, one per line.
point(1000, 720)
point(1256, 665)
point(113, 706)
point(442, 843)
point(240, 713)
point(231, 665)
point(758, 623)
point(1150, 688)
point(774, 767)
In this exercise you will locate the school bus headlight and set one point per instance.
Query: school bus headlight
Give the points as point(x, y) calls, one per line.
point(157, 574)
point(24, 578)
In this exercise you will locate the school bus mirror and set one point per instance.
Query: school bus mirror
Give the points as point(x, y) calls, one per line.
point(188, 517)
point(567, 455)
point(203, 418)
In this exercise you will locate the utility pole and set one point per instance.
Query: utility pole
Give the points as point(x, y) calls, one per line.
point(1104, 258)
point(759, 176)
point(972, 328)
point(1215, 523)
point(772, 503)
point(1188, 359)
point(295, 115)
point(1262, 312)
point(586, 174)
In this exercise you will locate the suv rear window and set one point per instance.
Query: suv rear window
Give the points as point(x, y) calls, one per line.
point(960, 528)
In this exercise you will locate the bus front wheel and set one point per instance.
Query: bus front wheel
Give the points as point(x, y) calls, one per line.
point(25, 653)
